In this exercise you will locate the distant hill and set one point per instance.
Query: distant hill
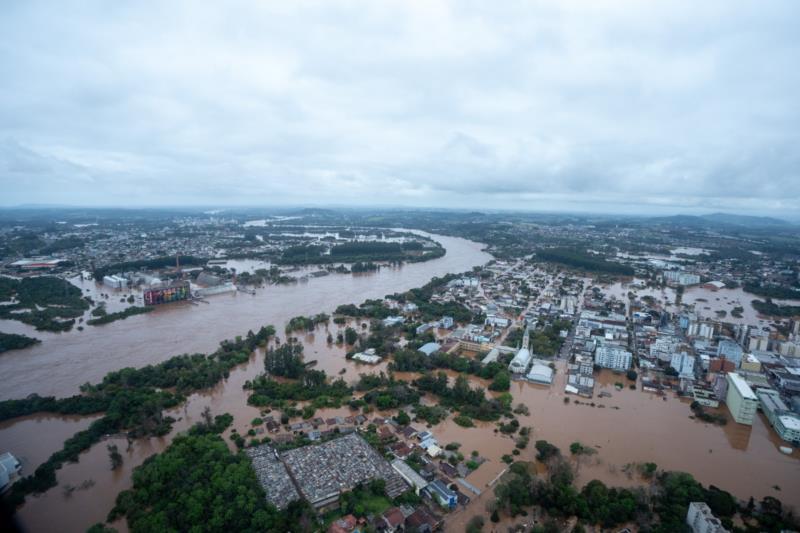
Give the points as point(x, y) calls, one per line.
point(745, 220)
point(721, 219)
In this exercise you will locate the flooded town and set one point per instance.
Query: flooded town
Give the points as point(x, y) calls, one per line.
point(434, 266)
point(445, 372)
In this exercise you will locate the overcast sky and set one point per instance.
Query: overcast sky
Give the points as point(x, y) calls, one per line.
point(592, 105)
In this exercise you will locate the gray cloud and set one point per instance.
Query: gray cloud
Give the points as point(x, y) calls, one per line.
point(605, 105)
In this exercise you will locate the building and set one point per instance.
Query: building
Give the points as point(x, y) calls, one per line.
point(173, 292)
point(115, 282)
point(429, 348)
point(683, 364)
point(541, 372)
point(367, 356)
point(410, 475)
point(613, 357)
point(9, 470)
point(423, 328)
point(785, 422)
point(446, 322)
point(730, 350)
point(700, 518)
point(439, 492)
point(741, 400)
point(390, 321)
point(681, 278)
point(750, 363)
point(519, 364)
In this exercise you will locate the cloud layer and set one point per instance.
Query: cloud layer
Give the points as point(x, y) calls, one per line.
point(603, 106)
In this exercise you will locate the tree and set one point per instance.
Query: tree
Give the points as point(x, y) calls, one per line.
point(350, 335)
point(114, 456)
point(402, 418)
point(501, 382)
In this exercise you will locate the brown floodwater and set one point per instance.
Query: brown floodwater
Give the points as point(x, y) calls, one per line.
point(644, 428)
point(64, 361)
point(633, 426)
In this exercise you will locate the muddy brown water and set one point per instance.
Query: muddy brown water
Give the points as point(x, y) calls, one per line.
point(62, 362)
point(740, 459)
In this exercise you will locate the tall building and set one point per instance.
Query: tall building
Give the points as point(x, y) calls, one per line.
point(700, 518)
point(730, 350)
point(683, 364)
point(741, 400)
point(613, 357)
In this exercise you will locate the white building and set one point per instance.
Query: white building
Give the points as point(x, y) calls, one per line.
point(613, 357)
point(681, 278)
point(446, 322)
point(541, 372)
point(741, 400)
point(683, 364)
point(410, 475)
point(700, 518)
point(521, 361)
point(115, 282)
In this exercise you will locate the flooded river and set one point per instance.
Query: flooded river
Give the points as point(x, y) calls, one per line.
point(633, 426)
point(62, 362)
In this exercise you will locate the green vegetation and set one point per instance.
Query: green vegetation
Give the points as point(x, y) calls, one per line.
point(287, 361)
point(365, 500)
point(583, 260)
point(469, 402)
point(770, 308)
point(12, 341)
point(105, 318)
point(132, 400)
point(197, 481)
point(463, 421)
point(46, 302)
point(544, 341)
point(773, 291)
point(660, 510)
point(359, 252)
point(306, 323)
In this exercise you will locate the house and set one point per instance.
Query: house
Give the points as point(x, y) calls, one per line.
point(429, 348)
point(409, 432)
point(347, 524)
point(423, 328)
point(393, 519)
point(438, 491)
point(446, 322)
point(423, 520)
point(390, 321)
point(434, 451)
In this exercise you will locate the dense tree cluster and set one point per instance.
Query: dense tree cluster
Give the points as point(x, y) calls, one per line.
point(47, 303)
point(13, 341)
point(197, 482)
point(132, 400)
point(468, 401)
point(581, 259)
point(106, 318)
